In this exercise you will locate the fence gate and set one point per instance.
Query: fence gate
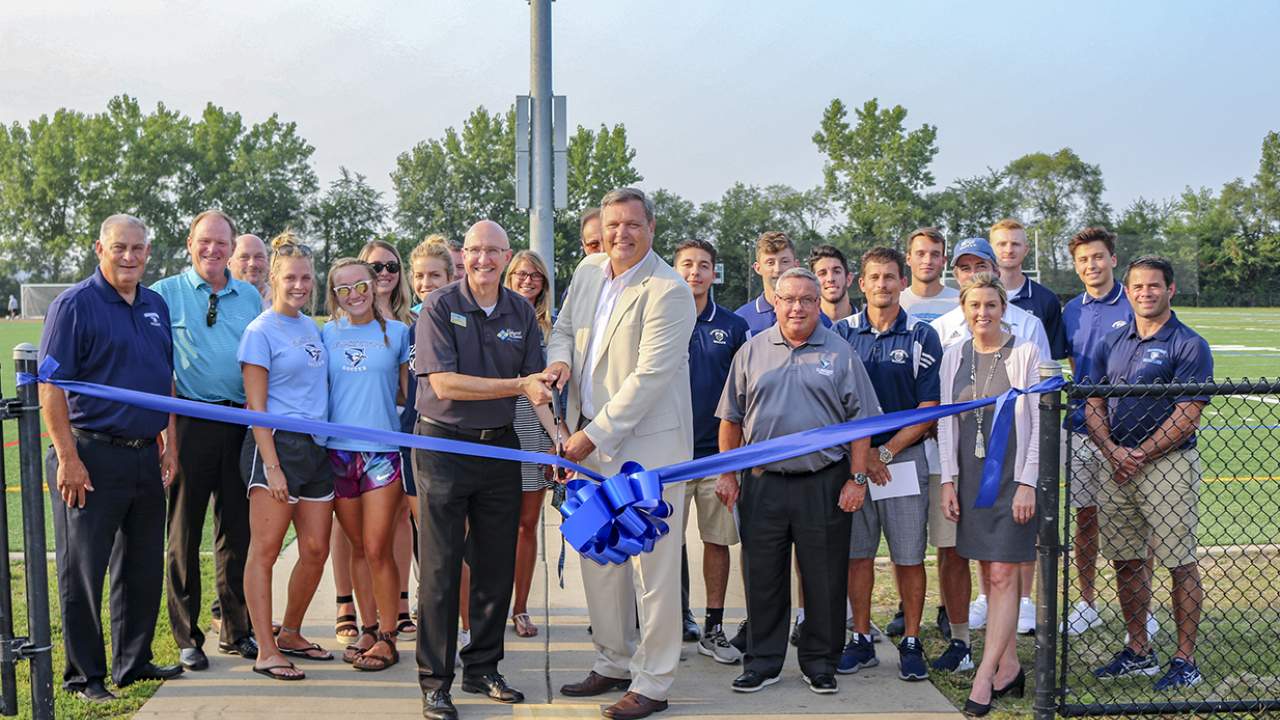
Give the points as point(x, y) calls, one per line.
point(1193, 536)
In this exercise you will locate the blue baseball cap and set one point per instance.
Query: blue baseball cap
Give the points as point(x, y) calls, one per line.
point(976, 246)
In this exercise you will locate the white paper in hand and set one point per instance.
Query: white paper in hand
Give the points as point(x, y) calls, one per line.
point(903, 482)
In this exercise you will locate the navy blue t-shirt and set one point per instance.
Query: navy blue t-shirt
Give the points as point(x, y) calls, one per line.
point(97, 337)
point(760, 316)
point(717, 335)
point(1087, 320)
point(1174, 354)
point(903, 362)
point(1041, 302)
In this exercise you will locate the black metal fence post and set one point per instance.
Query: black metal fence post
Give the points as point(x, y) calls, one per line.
point(37, 566)
point(8, 674)
point(1047, 547)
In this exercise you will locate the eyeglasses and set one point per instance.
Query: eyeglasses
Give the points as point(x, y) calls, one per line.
point(488, 251)
point(293, 249)
point(212, 316)
point(521, 276)
point(342, 291)
point(803, 301)
point(392, 267)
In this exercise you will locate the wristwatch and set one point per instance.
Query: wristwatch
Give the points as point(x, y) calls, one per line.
point(859, 478)
point(886, 455)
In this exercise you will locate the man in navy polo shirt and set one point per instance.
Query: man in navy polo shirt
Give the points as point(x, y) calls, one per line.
point(775, 254)
point(1009, 240)
point(1151, 504)
point(208, 311)
point(106, 476)
point(1087, 318)
point(902, 356)
point(717, 335)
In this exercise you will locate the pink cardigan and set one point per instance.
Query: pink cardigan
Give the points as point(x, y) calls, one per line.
point(1023, 368)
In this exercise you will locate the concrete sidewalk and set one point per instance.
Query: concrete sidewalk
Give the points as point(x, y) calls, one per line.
point(538, 666)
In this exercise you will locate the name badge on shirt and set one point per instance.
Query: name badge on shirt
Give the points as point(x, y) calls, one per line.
point(458, 319)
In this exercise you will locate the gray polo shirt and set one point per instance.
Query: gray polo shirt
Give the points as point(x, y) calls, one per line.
point(453, 334)
point(774, 390)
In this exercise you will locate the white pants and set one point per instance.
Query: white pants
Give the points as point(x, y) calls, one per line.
point(650, 583)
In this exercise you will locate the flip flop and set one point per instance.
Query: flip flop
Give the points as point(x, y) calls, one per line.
point(374, 663)
point(306, 653)
point(524, 626)
point(269, 672)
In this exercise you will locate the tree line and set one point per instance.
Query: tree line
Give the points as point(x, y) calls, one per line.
point(61, 174)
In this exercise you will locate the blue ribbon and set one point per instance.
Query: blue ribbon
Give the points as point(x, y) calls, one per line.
point(606, 519)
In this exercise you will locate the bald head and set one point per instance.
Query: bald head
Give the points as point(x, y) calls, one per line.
point(485, 253)
point(249, 261)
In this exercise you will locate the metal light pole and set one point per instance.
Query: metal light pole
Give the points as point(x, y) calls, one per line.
point(541, 213)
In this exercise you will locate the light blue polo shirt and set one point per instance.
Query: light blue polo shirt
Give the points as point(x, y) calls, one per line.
point(364, 375)
point(204, 356)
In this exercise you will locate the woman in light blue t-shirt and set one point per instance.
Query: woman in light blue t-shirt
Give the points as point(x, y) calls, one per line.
point(368, 373)
point(285, 368)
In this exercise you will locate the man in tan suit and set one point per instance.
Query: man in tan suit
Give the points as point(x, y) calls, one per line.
point(621, 344)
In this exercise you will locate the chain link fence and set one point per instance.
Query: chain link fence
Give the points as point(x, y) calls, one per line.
point(1184, 549)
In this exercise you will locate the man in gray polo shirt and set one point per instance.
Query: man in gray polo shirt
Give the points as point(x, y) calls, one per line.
point(795, 376)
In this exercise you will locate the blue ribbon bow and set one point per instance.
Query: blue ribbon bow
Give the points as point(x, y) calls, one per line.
point(606, 519)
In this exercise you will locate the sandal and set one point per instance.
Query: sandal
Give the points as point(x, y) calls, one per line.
point(353, 650)
point(311, 651)
point(524, 626)
point(270, 671)
point(406, 628)
point(374, 663)
point(344, 626)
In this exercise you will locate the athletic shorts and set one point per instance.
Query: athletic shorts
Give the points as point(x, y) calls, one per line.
point(715, 521)
point(406, 473)
point(356, 473)
point(902, 520)
point(304, 462)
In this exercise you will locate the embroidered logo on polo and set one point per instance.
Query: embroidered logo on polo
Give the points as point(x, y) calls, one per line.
point(509, 335)
point(1119, 324)
point(719, 337)
point(824, 367)
point(1154, 356)
point(899, 356)
point(154, 318)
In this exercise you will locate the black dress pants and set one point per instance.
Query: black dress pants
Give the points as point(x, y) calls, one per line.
point(777, 511)
point(457, 492)
point(209, 457)
point(121, 526)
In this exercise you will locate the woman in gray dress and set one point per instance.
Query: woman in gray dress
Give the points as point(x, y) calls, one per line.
point(1002, 536)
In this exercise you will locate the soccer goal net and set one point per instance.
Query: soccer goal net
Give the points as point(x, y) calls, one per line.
point(37, 297)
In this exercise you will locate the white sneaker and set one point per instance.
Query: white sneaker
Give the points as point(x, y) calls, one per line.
point(1153, 629)
point(978, 613)
point(1081, 618)
point(1026, 617)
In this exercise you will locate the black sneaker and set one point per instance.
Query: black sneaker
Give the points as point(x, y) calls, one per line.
point(956, 659)
point(944, 623)
point(692, 633)
point(740, 638)
point(911, 665)
point(752, 681)
point(822, 683)
point(897, 627)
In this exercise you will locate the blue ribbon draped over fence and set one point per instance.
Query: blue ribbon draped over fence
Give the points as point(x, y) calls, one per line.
point(605, 519)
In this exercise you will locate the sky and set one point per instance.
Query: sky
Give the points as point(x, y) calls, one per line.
point(1161, 95)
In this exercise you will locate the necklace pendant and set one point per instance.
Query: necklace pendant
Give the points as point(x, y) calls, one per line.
point(980, 451)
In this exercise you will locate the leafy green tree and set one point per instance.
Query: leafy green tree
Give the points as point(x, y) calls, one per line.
point(876, 170)
point(969, 206)
point(349, 214)
point(599, 161)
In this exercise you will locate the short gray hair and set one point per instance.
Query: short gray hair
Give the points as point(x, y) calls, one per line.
point(627, 194)
point(126, 221)
point(801, 272)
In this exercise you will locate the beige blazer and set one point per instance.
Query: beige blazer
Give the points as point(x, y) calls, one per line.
point(640, 384)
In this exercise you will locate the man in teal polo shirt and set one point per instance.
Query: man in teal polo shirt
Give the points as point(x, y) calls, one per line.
point(208, 311)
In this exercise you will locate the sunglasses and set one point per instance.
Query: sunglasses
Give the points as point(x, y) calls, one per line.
point(212, 316)
point(392, 267)
point(342, 291)
point(293, 249)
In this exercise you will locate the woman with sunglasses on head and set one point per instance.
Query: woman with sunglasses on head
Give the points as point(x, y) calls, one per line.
point(368, 371)
point(285, 369)
point(527, 275)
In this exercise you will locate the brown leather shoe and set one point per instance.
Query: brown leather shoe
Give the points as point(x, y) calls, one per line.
point(594, 684)
point(633, 706)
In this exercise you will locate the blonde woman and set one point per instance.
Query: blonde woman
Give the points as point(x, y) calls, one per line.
point(527, 275)
point(285, 368)
point(1002, 536)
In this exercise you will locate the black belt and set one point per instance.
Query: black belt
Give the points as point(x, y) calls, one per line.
point(224, 403)
point(794, 473)
point(481, 434)
point(133, 443)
